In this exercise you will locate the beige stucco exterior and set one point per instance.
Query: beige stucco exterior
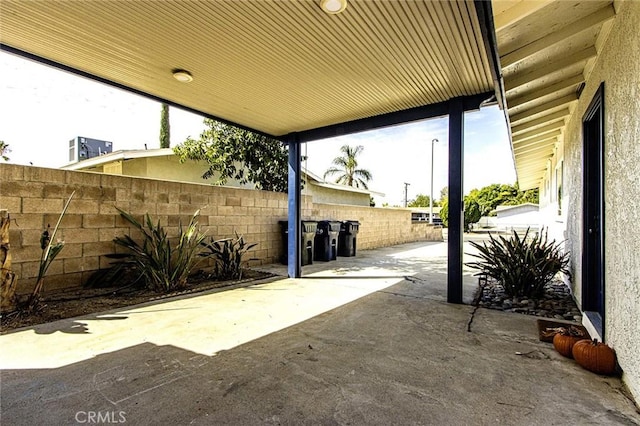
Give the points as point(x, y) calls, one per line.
point(618, 66)
point(163, 164)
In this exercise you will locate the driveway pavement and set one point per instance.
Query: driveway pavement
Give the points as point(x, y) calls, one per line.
point(360, 341)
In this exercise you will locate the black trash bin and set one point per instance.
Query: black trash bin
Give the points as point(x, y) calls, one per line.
point(348, 237)
point(308, 232)
point(325, 244)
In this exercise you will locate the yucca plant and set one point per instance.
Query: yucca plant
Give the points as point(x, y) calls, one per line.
point(51, 247)
point(227, 253)
point(523, 265)
point(163, 267)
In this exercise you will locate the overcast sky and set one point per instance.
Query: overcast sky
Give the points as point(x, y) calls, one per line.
point(42, 108)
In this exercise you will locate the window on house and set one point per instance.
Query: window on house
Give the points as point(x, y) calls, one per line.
point(559, 173)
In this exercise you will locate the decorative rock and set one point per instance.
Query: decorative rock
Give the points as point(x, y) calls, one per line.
point(556, 301)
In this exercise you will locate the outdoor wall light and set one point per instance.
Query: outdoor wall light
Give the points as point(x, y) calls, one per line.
point(333, 6)
point(182, 76)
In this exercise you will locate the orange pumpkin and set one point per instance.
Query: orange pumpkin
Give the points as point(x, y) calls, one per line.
point(595, 356)
point(564, 344)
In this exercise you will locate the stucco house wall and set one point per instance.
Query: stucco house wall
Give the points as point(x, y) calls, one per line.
point(163, 164)
point(321, 194)
point(618, 66)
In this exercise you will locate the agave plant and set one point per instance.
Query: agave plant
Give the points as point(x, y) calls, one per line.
point(523, 265)
point(228, 253)
point(163, 267)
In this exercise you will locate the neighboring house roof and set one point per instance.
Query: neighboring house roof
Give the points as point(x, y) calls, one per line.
point(517, 209)
point(436, 209)
point(123, 154)
point(523, 206)
point(128, 154)
point(321, 182)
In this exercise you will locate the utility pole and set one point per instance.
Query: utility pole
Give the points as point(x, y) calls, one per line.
point(406, 201)
point(431, 195)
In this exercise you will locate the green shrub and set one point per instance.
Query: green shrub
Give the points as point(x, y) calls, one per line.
point(163, 267)
point(522, 265)
point(227, 254)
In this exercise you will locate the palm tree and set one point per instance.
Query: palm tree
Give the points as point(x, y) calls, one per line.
point(347, 166)
point(4, 150)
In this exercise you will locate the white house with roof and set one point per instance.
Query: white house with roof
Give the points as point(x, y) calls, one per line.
point(163, 164)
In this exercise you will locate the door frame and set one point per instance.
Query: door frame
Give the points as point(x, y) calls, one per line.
point(593, 220)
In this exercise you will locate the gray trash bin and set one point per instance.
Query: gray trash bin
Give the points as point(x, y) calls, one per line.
point(308, 232)
point(347, 239)
point(325, 244)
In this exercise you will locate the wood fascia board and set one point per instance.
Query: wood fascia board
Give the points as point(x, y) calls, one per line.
point(548, 90)
point(569, 30)
point(541, 131)
point(539, 72)
point(544, 107)
point(555, 116)
point(518, 12)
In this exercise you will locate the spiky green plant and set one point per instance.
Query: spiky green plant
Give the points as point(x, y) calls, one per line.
point(227, 253)
point(523, 265)
point(51, 247)
point(163, 267)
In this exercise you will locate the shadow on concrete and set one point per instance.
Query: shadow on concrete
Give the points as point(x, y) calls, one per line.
point(382, 359)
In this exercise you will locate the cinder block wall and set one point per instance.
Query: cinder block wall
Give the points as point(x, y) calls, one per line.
point(35, 197)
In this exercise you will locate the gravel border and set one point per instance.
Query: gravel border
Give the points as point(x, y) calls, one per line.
point(557, 301)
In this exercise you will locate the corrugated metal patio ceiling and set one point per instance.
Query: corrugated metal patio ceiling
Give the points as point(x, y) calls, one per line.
point(547, 49)
point(273, 66)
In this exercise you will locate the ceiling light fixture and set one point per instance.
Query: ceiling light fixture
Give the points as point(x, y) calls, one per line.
point(333, 7)
point(182, 76)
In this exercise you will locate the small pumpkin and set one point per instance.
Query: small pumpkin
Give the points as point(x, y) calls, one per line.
point(564, 343)
point(595, 356)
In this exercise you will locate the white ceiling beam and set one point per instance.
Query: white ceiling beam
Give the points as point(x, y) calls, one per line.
point(530, 183)
point(541, 131)
point(548, 90)
point(534, 151)
point(539, 72)
point(542, 108)
point(517, 12)
point(564, 33)
point(539, 142)
point(555, 116)
point(533, 141)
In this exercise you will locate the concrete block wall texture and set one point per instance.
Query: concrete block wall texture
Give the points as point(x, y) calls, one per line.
point(35, 197)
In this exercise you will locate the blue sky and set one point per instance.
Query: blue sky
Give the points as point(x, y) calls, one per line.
point(42, 108)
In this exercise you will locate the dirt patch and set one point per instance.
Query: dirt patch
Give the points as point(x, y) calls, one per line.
point(72, 303)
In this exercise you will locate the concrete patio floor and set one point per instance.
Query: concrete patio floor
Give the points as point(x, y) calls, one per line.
point(364, 340)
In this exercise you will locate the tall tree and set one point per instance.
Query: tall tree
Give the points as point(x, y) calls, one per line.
point(444, 194)
point(483, 202)
point(4, 150)
point(165, 128)
point(422, 201)
point(347, 168)
point(234, 153)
